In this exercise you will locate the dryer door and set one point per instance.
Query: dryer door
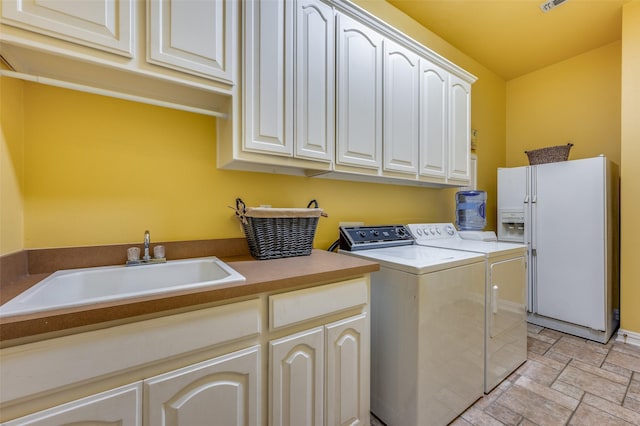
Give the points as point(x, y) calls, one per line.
point(506, 320)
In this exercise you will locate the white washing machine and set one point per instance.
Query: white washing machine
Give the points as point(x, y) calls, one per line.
point(505, 290)
point(427, 309)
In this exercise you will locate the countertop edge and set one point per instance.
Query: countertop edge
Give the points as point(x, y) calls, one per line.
point(262, 276)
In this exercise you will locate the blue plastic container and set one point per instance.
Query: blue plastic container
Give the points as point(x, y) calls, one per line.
point(470, 210)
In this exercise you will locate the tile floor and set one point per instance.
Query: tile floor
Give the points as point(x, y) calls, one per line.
point(566, 380)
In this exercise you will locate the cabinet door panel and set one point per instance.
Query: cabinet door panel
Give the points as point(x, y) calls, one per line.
point(460, 130)
point(268, 82)
point(226, 388)
point(315, 85)
point(118, 407)
point(401, 109)
point(348, 372)
point(297, 385)
point(359, 89)
point(434, 83)
point(101, 24)
point(192, 36)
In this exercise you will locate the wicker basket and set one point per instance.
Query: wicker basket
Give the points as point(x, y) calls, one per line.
point(549, 154)
point(274, 233)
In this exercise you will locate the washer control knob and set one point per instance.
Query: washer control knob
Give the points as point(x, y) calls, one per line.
point(375, 232)
point(449, 229)
point(362, 234)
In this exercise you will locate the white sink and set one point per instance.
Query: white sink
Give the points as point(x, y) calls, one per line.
point(78, 287)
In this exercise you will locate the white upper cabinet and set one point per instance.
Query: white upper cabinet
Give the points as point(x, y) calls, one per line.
point(101, 24)
point(459, 131)
point(268, 71)
point(179, 54)
point(192, 36)
point(314, 80)
point(434, 91)
point(329, 90)
point(288, 84)
point(359, 94)
point(401, 109)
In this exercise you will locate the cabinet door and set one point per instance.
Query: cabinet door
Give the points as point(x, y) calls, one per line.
point(434, 88)
point(296, 379)
point(459, 130)
point(193, 36)
point(359, 94)
point(347, 372)
point(226, 389)
point(101, 24)
point(268, 77)
point(401, 109)
point(121, 406)
point(315, 87)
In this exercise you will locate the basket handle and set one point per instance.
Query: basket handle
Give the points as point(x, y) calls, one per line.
point(316, 206)
point(241, 209)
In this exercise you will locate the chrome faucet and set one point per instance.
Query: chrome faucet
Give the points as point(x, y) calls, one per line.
point(147, 242)
point(133, 253)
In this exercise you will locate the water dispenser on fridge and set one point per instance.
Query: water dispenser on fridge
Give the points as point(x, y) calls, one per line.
point(511, 225)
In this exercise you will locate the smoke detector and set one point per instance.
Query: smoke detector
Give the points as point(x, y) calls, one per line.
point(550, 4)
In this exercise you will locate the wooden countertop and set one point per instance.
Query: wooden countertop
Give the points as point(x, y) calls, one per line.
point(261, 276)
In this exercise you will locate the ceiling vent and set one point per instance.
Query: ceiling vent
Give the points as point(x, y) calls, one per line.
point(550, 4)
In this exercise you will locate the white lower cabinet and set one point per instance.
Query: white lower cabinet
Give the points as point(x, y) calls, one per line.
point(297, 379)
point(347, 372)
point(226, 388)
point(121, 406)
point(321, 376)
point(307, 365)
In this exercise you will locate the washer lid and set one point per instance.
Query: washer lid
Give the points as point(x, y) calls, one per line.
point(418, 259)
point(488, 248)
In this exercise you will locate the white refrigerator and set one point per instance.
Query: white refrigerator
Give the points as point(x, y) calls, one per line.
point(567, 214)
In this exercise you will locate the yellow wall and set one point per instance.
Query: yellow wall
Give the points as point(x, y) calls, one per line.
point(630, 168)
point(575, 100)
point(101, 170)
point(11, 166)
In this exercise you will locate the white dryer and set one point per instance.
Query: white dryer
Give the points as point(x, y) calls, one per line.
point(505, 291)
point(427, 309)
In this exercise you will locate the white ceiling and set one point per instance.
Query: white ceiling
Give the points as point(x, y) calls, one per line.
point(514, 37)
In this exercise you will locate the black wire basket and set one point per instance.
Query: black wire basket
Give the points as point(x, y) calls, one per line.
point(274, 233)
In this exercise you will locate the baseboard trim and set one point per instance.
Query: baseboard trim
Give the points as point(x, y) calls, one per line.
point(630, 337)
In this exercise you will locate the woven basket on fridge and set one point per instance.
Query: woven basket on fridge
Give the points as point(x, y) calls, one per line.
point(274, 233)
point(549, 154)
